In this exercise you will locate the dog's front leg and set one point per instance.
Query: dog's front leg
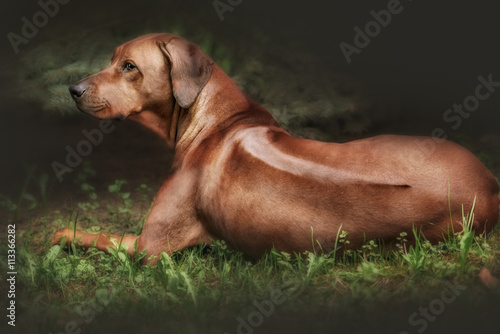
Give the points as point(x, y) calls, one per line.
point(171, 225)
point(157, 236)
point(169, 237)
point(101, 240)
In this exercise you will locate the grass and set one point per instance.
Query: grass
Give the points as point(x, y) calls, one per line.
point(210, 287)
point(214, 284)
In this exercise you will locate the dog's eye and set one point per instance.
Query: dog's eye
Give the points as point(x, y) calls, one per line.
point(129, 67)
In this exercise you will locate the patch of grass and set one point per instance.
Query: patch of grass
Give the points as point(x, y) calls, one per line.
point(210, 284)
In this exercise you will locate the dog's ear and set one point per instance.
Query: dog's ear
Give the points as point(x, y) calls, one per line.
point(190, 69)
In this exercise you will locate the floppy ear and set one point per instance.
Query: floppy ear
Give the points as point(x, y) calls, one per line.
point(190, 69)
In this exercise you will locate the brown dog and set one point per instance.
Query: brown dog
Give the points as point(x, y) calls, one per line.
point(239, 177)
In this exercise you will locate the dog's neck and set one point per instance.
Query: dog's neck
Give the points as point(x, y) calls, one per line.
point(180, 127)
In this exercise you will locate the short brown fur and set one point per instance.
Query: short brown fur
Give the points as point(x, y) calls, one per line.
point(239, 177)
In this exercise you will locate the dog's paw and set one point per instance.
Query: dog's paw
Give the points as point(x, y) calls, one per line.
point(65, 233)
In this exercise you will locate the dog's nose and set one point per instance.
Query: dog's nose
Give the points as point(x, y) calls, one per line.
point(76, 90)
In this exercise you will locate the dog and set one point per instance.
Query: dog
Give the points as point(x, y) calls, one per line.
point(238, 177)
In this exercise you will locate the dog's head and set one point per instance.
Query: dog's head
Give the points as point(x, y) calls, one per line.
point(148, 73)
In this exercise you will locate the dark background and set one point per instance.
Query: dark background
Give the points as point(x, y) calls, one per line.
point(427, 59)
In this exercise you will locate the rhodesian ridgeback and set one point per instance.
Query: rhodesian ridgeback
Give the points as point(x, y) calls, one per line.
point(237, 176)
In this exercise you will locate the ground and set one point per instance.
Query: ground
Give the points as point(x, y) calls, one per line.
point(211, 290)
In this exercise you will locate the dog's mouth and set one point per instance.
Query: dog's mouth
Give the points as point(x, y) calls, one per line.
point(97, 112)
point(91, 109)
point(97, 109)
